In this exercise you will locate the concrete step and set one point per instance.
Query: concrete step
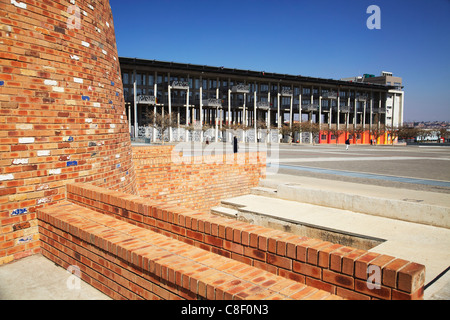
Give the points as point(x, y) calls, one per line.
point(406, 205)
point(225, 212)
point(281, 215)
point(264, 191)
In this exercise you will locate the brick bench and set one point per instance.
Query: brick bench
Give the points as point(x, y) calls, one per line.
point(129, 262)
point(321, 264)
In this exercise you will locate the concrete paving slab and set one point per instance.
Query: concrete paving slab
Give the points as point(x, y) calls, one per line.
point(405, 167)
point(418, 196)
point(37, 278)
point(402, 204)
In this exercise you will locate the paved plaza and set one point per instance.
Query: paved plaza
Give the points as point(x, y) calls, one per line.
point(393, 175)
point(424, 168)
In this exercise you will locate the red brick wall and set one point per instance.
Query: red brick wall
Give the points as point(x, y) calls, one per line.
point(62, 115)
point(198, 182)
point(330, 267)
point(129, 262)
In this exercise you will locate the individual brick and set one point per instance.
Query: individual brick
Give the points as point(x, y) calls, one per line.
point(307, 269)
point(380, 292)
point(338, 279)
point(411, 277)
point(362, 263)
point(390, 272)
point(348, 261)
point(336, 258)
point(313, 252)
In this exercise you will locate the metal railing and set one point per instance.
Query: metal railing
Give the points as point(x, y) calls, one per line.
point(329, 95)
point(310, 107)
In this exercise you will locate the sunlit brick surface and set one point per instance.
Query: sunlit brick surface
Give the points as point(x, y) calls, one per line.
point(198, 182)
point(62, 113)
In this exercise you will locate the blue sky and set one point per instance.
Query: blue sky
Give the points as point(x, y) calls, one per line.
point(317, 38)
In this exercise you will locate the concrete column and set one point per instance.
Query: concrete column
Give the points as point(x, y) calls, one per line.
point(219, 112)
point(155, 89)
point(330, 103)
point(216, 129)
point(254, 116)
point(300, 114)
point(311, 101)
point(169, 90)
point(154, 121)
point(370, 117)
point(291, 109)
point(187, 107)
point(338, 111)
point(278, 111)
point(347, 115)
point(401, 106)
point(379, 118)
point(129, 118)
point(217, 89)
point(268, 111)
point(320, 114)
point(310, 115)
point(201, 111)
point(136, 129)
point(394, 95)
point(229, 105)
point(392, 117)
point(187, 116)
point(244, 112)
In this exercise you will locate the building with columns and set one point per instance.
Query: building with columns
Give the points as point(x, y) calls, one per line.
point(199, 96)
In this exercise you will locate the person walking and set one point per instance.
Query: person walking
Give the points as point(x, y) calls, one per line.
point(347, 144)
point(235, 145)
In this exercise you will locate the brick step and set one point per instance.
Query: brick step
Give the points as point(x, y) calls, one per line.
point(129, 262)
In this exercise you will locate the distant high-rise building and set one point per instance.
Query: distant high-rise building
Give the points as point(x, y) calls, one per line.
point(394, 98)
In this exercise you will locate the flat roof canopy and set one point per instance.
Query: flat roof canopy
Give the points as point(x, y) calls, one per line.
point(260, 75)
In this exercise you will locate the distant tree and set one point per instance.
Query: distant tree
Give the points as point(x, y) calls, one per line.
point(286, 130)
point(261, 124)
point(443, 133)
point(237, 126)
point(422, 134)
point(336, 132)
point(378, 131)
point(407, 132)
point(311, 127)
point(358, 130)
point(161, 121)
point(394, 132)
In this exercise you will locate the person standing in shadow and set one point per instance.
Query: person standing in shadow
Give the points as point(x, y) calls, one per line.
point(235, 145)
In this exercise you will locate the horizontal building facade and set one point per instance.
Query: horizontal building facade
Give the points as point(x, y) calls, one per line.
point(201, 98)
